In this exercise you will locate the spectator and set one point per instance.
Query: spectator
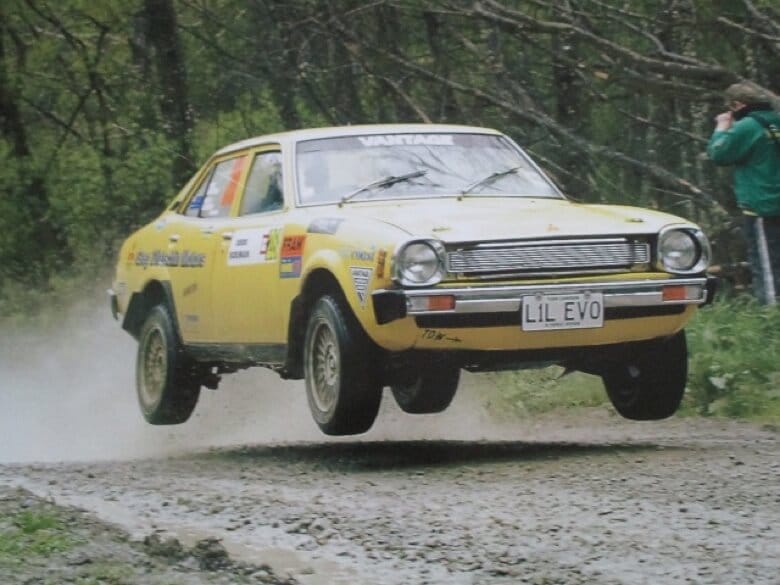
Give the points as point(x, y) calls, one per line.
point(747, 137)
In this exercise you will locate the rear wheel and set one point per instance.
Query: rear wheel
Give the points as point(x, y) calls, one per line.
point(342, 385)
point(427, 388)
point(167, 388)
point(649, 385)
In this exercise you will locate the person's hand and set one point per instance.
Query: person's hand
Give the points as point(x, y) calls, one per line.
point(723, 121)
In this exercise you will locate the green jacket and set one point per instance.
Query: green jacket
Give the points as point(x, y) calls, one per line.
point(749, 147)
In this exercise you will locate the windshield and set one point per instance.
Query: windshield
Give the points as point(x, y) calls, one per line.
point(431, 165)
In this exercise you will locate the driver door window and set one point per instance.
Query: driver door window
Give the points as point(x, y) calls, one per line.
point(263, 191)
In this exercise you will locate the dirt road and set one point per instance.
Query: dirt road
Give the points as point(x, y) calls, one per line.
point(454, 498)
point(593, 501)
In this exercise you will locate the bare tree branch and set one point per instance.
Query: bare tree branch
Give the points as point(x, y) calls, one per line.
point(539, 118)
point(774, 40)
point(495, 12)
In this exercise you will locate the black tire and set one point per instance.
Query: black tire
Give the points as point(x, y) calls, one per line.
point(342, 384)
point(166, 386)
point(428, 388)
point(651, 384)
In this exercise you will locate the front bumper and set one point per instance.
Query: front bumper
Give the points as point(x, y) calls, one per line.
point(390, 305)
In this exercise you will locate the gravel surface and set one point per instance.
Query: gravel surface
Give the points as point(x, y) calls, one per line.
point(43, 543)
point(590, 499)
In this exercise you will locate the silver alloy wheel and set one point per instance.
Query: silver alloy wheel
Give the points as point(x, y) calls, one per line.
point(324, 367)
point(154, 368)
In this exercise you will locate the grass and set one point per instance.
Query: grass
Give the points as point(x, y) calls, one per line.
point(528, 392)
point(734, 370)
point(734, 365)
point(32, 533)
point(24, 305)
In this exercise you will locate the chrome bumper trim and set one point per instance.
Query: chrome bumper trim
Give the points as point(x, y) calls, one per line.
point(499, 299)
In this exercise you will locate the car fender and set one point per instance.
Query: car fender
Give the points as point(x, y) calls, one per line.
point(319, 275)
point(357, 276)
point(141, 302)
point(328, 259)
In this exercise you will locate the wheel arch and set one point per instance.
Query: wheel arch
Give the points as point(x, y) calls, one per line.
point(318, 282)
point(154, 293)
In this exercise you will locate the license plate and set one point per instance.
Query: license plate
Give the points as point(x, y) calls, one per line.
point(565, 311)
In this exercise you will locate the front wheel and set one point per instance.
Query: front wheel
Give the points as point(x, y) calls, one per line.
point(649, 385)
point(342, 385)
point(167, 388)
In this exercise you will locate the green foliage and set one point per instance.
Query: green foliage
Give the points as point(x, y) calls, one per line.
point(32, 522)
point(16, 229)
point(32, 533)
point(25, 249)
point(43, 305)
point(528, 392)
point(734, 368)
point(101, 147)
point(117, 193)
point(252, 115)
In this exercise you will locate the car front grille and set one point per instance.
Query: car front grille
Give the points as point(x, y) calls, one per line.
point(546, 257)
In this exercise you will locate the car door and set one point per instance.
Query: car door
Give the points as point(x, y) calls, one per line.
point(244, 284)
point(196, 238)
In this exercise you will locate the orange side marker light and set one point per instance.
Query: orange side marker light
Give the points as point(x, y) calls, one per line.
point(441, 303)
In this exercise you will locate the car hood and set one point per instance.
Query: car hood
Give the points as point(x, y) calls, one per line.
point(484, 218)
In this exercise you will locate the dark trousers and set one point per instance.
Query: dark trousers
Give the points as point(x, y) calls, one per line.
point(763, 240)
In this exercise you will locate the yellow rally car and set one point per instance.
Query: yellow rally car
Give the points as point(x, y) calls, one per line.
point(396, 255)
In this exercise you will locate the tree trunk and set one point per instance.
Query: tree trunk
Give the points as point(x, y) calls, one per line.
point(570, 109)
point(276, 54)
point(447, 109)
point(40, 237)
point(172, 82)
point(11, 124)
point(389, 29)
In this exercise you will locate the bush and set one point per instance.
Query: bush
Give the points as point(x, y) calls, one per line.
point(734, 368)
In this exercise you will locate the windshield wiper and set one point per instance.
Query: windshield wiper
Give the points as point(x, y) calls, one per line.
point(382, 183)
point(489, 179)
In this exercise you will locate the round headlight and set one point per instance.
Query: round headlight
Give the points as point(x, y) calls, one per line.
point(419, 263)
point(682, 250)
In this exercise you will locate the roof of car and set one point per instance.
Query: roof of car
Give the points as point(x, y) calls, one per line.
point(360, 130)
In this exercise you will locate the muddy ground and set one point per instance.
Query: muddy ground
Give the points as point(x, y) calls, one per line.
point(457, 498)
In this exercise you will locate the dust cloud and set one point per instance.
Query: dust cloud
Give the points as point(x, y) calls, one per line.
point(68, 394)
